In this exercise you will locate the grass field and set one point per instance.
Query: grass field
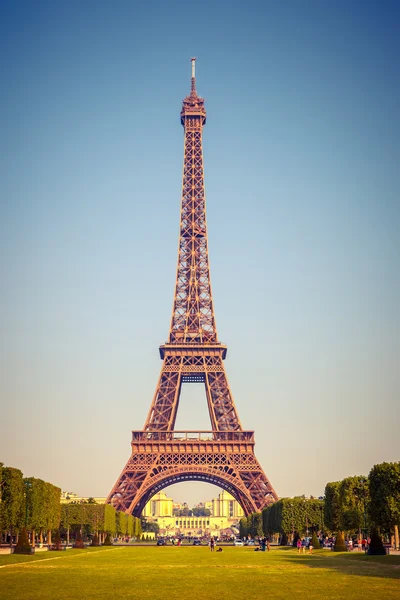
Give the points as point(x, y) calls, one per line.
point(174, 573)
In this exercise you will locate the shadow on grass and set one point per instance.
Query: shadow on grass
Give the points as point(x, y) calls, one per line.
point(348, 563)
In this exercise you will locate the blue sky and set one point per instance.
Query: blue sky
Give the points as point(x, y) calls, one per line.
point(301, 152)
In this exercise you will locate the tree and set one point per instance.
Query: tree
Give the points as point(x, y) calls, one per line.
point(243, 529)
point(12, 505)
point(384, 508)
point(35, 504)
point(138, 527)
point(332, 512)
point(353, 500)
point(122, 523)
point(255, 525)
point(200, 511)
point(150, 526)
point(52, 495)
point(290, 515)
point(183, 512)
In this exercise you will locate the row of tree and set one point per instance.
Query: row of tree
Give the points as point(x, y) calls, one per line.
point(98, 519)
point(197, 511)
point(294, 515)
point(360, 503)
point(27, 502)
point(353, 505)
point(33, 504)
point(251, 526)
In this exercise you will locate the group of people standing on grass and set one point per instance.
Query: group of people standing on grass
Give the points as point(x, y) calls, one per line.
point(302, 544)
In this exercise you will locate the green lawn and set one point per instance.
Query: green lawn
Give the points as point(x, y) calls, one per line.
point(195, 573)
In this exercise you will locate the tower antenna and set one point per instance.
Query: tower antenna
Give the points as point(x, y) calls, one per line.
point(193, 88)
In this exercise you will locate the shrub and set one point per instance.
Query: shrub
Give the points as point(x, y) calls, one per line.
point(79, 541)
point(107, 541)
point(339, 546)
point(23, 546)
point(315, 541)
point(283, 541)
point(95, 540)
point(376, 546)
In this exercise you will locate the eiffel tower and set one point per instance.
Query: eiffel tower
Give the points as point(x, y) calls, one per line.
point(161, 455)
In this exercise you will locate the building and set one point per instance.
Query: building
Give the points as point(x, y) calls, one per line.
point(225, 513)
point(225, 505)
point(70, 497)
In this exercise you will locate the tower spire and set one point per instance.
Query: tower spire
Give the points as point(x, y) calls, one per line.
point(193, 86)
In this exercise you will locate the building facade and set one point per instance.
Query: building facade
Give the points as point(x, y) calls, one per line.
point(225, 514)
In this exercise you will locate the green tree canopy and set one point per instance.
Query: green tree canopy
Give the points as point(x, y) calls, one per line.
point(12, 505)
point(353, 502)
point(384, 485)
point(200, 511)
point(332, 512)
point(293, 515)
point(243, 529)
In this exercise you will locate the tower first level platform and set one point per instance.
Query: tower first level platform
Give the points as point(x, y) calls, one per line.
point(223, 458)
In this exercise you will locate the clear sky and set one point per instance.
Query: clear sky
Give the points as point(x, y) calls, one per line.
point(302, 170)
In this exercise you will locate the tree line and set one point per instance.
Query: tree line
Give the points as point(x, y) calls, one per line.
point(359, 504)
point(33, 504)
point(355, 505)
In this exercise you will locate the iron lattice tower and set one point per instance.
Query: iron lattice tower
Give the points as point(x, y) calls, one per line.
point(160, 455)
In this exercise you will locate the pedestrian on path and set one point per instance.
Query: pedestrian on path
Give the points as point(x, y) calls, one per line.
point(299, 545)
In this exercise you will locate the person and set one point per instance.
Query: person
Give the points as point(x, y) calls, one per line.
point(263, 544)
point(299, 545)
point(212, 544)
point(350, 546)
point(310, 547)
point(303, 545)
